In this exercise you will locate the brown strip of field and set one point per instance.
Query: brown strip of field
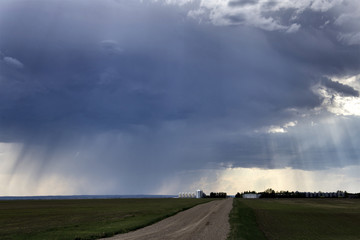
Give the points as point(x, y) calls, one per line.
point(205, 221)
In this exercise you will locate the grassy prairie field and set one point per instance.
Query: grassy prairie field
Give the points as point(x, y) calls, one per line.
point(83, 219)
point(310, 219)
point(243, 223)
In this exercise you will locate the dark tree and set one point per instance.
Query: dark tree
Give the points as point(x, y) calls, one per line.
point(218, 195)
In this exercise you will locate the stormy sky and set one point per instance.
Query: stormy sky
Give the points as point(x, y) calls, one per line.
point(157, 97)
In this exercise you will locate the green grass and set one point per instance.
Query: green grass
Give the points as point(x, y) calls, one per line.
point(243, 223)
point(83, 219)
point(305, 219)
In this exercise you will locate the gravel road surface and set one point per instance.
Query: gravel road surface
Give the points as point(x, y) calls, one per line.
point(205, 221)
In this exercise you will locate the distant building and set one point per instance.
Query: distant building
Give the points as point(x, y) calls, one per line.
point(197, 194)
point(251, 195)
point(187, 195)
point(200, 194)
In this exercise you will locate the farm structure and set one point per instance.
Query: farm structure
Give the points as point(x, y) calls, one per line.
point(251, 195)
point(197, 194)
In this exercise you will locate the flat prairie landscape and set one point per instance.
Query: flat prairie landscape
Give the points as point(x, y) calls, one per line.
point(310, 219)
point(273, 219)
point(83, 219)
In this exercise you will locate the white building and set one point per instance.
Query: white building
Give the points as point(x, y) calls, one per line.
point(187, 195)
point(251, 195)
point(197, 194)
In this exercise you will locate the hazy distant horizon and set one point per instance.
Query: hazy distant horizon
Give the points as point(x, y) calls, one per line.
point(74, 197)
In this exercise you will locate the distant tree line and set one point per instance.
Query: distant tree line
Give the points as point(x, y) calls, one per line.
point(217, 195)
point(270, 193)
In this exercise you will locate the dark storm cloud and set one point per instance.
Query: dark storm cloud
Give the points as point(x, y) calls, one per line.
point(111, 46)
point(73, 81)
point(340, 88)
point(241, 3)
point(236, 18)
point(140, 88)
point(317, 44)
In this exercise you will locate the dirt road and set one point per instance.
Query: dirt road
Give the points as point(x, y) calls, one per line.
point(205, 221)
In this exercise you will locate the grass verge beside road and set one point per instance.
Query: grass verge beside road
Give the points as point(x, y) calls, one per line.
point(243, 225)
point(295, 219)
point(83, 219)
